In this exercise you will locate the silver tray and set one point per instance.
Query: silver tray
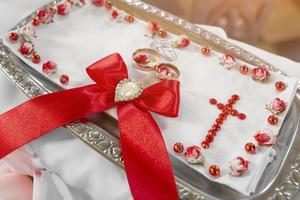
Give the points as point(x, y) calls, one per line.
point(280, 180)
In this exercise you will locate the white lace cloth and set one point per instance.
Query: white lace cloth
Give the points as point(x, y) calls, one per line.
point(97, 177)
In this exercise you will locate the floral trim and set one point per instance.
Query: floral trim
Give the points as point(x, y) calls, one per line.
point(25, 35)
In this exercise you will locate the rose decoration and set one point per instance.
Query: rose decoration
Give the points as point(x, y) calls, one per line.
point(238, 166)
point(193, 155)
point(28, 32)
point(260, 74)
point(265, 137)
point(228, 61)
point(183, 41)
point(153, 28)
point(98, 2)
point(276, 106)
point(46, 15)
point(49, 67)
point(63, 8)
point(115, 14)
point(164, 72)
point(26, 48)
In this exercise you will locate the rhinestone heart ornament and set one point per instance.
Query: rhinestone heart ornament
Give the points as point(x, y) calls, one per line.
point(127, 90)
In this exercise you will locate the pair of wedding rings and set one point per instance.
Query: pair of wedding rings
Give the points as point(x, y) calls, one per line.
point(147, 59)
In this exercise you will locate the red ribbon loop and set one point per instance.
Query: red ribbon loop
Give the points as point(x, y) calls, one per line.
point(108, 71)
point(145, 156)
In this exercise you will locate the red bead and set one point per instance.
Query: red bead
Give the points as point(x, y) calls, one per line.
point(49, 67)
point(62, 9)
point(233, 112)
point(220, 106)
point(273, 120)
point(244, 69)
point(205, 144)
point(223, 116)
point(214, 170)
point(235, 97)
point(108, 4)
point(250, 148)
point(129, 19)
point(36, 58)
point(64, 79)
point(178, 147)
point(162, 33)
point(241, 116)
point(211, 133)
point(219, 121)
point(205, 51)
point(231, 102)
point(209, 139)
point(216, 127)
point(228, 107)
point(35, 22)
point(115, 14)
point(280, 86)
point(213, 101)
point(13, 36)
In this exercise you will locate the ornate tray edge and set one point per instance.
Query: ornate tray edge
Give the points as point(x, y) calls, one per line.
point(108, 145)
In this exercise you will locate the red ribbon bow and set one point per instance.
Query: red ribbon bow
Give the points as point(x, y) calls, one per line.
point(145, 156)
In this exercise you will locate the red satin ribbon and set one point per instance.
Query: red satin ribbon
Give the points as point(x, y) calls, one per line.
point(145, 156)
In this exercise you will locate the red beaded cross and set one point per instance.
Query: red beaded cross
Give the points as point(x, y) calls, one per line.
point(226, 111)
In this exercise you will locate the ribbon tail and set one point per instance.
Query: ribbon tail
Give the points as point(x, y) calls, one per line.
point(40, 115)
point(146, 160)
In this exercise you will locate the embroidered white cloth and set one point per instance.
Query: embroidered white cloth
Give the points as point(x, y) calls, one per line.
point(74, 42)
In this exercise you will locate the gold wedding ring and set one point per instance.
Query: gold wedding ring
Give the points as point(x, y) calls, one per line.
point(167, 71)
point(147, 59)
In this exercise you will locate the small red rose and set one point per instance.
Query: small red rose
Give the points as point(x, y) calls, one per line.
point(46, 15)
point(98, 2)
point(115, 14)
point(193, 155)
point(276, 106)
point(49, 67)
point(238, 166)
point(182, 41)
point(26, 48)
point(153, 27)
point(63, 8)
point(228, 61)
point(260, 74)
point(265, 137)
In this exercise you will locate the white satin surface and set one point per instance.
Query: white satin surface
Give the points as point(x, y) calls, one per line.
point(74, 171)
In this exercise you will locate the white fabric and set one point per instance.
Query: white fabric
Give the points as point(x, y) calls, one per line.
point(75, 41)
point(55, 148)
